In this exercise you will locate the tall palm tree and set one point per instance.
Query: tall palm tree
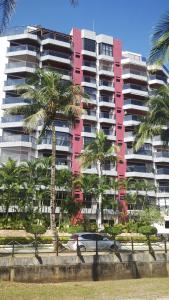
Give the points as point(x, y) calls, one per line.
point(100, 151)
point(156, 121)
point(49, 94)
point(8, 7)
point(160, 41)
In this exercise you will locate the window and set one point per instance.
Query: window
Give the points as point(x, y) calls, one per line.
point(166, 224)
point(89, 45)
point(105, 49)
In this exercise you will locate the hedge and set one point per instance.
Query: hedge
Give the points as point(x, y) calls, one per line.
point(138, 239)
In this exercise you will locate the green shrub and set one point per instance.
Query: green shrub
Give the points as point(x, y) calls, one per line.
point(24, 240)
point(137, 239)
point(147, 230)
point(72, 229)
point(115, 230)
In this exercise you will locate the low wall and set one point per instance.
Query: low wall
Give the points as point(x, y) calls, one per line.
point(86, 267)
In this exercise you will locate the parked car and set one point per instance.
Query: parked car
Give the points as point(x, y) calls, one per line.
point(87, 241)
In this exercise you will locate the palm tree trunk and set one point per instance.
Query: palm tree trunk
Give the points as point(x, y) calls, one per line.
point(99, 204)
point(53, 190)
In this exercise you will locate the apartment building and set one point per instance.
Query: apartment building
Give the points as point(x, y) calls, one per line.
point(118, 84)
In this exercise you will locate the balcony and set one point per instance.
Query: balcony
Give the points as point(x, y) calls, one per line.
point(109, 132)
point(106, 117)
point(12, 121)
point(157, 79)
point(106, 85)
point(106, 101)
point(56, 39)
point(16, 140)
point(139, 171)
point(129, 136)
point(22, 50)
point(22, 32)
point(162, 173)
point(109, 170)
point(89, 81)
point(162, 156)
point(145, 154)
point(13, 101)
point(11, 84)
point(21, 66)
point(89, 131)
point(90, 115)
point(135, 104)
point(57, 56)
point(131, 120)
point(63, 163)
point(89, 66)
point(66, 74)
point(135, 74)
point(135, 89)
point(106, 70)
point(62, 144)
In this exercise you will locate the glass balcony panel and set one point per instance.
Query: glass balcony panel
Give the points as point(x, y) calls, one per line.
point(142, 169)
point(17, 138)
point(21, 64)
point(58, 37)
point(163, 171)
point(9, 119)
point(63, 162)
point(163, 189)
point(23, 47)
point(61, 123)
point(15, 100)
point(141, 152)
point(131, 118)
point(89, 63)
point(56, 53)
point(106, 99)
point(158, 77)
point(60, 71)
point(106, 68)
point(106, 83)
point(134, 102)
point(89, 79)
point(106, 115)
point(10, 82)
point(135, 72)
point(135, 87)
point(162, 154)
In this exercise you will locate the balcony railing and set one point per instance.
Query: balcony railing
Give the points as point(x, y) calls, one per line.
point(60, 71)
point(129, 134)
point(63, 162)
point(163, 171)
point(88, 63)
point(105, 68)
point(89, 79)
point(59, 141)
point(135, 72)
point(56, 53)
point(158, 77)
point(23, 47)
point(131, 118)
point(15, 100)
point(61, 123)
point(9, 82)
point(134, 102)
point(106, 83)
point(162, 154)
point(106, 115)
point(141, 169)
point(107, 131)
point(163, 189)
point(140, 152)
point(90, 113)
point(21, 64)
point(135, 87)
point(11, 119)
point(57, 37)
point(106, 99)
point(17, 138)
point(89, 129)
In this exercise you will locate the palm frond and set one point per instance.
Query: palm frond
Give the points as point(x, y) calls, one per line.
point(160, 41)
point(7, 7)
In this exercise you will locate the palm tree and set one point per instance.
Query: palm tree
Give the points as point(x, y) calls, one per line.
point(156, 120)
point(8, 7)
point(160, 42)
point(49, 94)
point(100, 152)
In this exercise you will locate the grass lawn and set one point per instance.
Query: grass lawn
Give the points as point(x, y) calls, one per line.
point(149, 289)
